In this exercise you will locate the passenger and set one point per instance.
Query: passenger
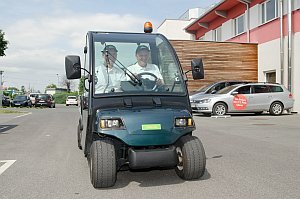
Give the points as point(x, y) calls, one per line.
point(108, 75)
point(142, 54)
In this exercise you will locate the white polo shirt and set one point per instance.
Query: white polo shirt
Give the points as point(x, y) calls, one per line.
point(150, 68)
point(108, 79)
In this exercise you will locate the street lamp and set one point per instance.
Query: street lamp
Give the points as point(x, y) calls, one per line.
point(57, 79)
point(1, 85)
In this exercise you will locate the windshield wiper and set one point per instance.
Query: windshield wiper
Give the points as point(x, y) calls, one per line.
point(127, 72)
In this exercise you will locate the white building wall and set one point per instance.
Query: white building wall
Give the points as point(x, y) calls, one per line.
point(174, 29)
point(296, 72)
point(269, 59)
point(227, 30)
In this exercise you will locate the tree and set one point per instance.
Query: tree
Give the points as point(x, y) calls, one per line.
point(67, 83)
point(3, 44)
point(51, 86)
point(81, 85)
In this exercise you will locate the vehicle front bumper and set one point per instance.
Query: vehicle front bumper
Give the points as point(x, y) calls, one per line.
point(150, 158)
point(202, 107)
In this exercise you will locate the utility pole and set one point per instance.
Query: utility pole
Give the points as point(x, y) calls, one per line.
point(1, 87)
point(57, 80)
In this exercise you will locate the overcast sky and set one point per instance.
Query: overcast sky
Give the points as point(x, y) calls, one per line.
point(42, 32)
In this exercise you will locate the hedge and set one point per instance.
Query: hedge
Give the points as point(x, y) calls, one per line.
point(60, 98)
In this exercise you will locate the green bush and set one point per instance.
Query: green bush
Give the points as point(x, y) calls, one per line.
point(60, 98)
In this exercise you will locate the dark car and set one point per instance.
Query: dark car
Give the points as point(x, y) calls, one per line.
point(21, 100)
point(45, 100)
point(5, 101)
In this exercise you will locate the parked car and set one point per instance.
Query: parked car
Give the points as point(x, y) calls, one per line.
point(5, 101)
point(45, 100)
point(213, 88)
point(21, 100)
point(251, 97)
point(32, 97)
point(71, 100)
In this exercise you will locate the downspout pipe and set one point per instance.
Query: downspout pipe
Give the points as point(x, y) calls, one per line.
point(290, 45)
point(248, 19)
point(281, 44)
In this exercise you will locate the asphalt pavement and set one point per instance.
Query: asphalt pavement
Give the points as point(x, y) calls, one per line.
point(248, 156)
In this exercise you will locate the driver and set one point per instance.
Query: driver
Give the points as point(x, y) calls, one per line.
point(142, 54)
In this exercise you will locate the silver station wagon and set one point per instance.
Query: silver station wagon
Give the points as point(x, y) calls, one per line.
point(250, 97)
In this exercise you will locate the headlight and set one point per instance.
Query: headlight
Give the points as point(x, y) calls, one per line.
point(115, 123)
point(184, 122)
point(203, 101)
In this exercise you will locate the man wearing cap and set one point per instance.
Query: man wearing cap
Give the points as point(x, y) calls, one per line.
point(142, 54)
point(108, 75)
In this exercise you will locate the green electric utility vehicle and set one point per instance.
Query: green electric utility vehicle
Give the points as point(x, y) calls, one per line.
point(136, 123)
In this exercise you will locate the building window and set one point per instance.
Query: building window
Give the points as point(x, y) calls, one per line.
point(271, 76)
point(217, 34)
point(239, 24)
point(269, 10)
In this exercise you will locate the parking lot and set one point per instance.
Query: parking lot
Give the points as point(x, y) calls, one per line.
point(248, 156)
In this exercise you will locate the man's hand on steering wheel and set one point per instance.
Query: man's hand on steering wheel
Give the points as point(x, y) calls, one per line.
point(150, 84)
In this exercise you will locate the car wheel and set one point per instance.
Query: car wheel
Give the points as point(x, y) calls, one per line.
point(219, 109)
point(79, 136)
point(276, 108)
point(102, 160)
point(191, 158)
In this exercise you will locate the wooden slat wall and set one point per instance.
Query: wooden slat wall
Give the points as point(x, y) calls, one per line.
point(222, 60)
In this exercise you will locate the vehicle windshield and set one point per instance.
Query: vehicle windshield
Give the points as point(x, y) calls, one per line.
point(71, 97)
point(203, 88)
point(227, 89)
point(44, 97)
point(20, 97)
point(126, 63)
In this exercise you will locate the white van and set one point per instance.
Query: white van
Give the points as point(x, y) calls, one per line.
point(32, 97)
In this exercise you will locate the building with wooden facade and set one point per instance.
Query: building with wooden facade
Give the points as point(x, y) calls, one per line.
point(274, 25)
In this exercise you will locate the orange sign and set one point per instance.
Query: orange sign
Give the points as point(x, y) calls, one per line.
point(240, 102)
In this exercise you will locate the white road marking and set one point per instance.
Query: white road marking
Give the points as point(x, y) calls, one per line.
point(24, 115)
point(7, 163)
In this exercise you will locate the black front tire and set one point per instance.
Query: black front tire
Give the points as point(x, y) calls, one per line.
point(191, 156)
point(102, 160)
point(276, 108)
point(220, 109)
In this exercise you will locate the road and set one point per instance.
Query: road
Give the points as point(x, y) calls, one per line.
point(247, 157)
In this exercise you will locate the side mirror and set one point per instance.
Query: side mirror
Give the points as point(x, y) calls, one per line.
point(197, 68)
point(234, 93)
point(73, 67)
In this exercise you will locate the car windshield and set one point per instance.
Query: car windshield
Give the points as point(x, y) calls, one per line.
point(71, 97)
point(227, 89)
point(203, 88)
point(44, 97)
point(33, 95)
point(161, 72)
point(20, 97)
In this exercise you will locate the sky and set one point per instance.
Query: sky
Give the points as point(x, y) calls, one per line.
point(42, 32)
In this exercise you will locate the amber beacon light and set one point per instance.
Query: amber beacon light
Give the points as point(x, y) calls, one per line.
point(148, 27)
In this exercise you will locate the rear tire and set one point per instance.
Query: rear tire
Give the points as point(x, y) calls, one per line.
point(276, 108)
point(219, 109)
point(191, 158)
point(102, 160)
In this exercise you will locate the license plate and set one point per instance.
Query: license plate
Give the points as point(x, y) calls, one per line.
point(149, 127)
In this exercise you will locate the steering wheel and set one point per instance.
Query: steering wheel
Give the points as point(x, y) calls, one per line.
point(148, 84)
